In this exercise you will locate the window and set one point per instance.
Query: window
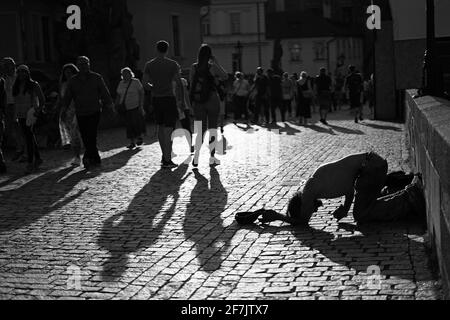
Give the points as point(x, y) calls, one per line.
point(235, 19)
point(279, 5)
point(176, 36)
point(206, 26)
point(296, 52)
point(320, 51)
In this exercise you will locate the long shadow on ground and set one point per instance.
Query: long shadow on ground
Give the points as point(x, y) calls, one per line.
point(384, 245)
point(135, 228)
point(45, 194)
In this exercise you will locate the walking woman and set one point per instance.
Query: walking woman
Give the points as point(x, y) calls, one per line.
point(241, 90)
point(305, 96)
point(204, 77)
point(130, 102)
point(29, 100)
point(287, 87)
point(70, 134)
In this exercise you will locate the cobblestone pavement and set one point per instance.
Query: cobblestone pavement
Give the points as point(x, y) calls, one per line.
point(133, 231)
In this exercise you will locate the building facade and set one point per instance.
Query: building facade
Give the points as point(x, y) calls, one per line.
point(177, 21)
point(236, 31)
point(305, 34)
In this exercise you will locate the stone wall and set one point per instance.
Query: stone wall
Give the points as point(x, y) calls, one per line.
point(428, 127)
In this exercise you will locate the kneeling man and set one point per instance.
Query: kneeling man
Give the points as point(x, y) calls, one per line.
point(359, 177)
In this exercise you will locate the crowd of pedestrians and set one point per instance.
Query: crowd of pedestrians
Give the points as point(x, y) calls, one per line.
point(205, 97)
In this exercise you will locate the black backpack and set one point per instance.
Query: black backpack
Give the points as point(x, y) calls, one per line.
point(202, 85)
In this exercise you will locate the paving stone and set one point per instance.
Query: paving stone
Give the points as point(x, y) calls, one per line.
point(133, 231)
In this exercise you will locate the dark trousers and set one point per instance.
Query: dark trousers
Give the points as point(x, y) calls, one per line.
point(30, 141)
point(369, 206)
point(274, 104)
point(88, 126)
point(286, 106)
point(186, 122)
point(240, 105)
point(262, 105)
point(2, 133)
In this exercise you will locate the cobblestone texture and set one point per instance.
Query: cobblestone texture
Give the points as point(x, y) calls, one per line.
point(133, 231)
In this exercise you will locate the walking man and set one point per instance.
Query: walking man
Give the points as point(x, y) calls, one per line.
point(275, 94)
point(159, 75)
point(261, 85)
point(323, 91)
point(89, 92)
point(354, 86)
point(12, 129)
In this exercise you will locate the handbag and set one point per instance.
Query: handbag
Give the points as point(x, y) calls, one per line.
point(122, 108)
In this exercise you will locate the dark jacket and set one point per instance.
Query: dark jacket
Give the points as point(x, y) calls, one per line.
point(89, 94)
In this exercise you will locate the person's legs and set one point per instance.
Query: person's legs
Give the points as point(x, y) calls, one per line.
point(2, 132)
point(14, 129)
point(201, 126)
point(284, 107)
point(88, 129)
point(274, 104)
point(213, 109)
point(258, 106)
point(28, 135)
point(266, 106)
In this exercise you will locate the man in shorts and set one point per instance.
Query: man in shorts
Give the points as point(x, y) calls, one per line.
point(354, 86)
point(323, 84)
point(159, 75)
point(360, 177)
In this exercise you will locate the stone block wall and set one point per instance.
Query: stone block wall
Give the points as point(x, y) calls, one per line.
point(428, 127)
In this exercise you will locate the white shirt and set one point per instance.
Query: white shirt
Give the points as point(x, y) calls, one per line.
point(241, 88)
point(132, 99)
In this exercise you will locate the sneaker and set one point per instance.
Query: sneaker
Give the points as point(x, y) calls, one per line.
point(17, 156)
point(131, 146)
point(168, 165)
point(76, 161)
point(361, 118)
point(86, 163)
point(194, 164)
point(356, 120)
point(2, 168)
point(29, 168)
point(325, 122)
point(213, 161)
point(38, 163)
point(322, 121)
point(140, 142)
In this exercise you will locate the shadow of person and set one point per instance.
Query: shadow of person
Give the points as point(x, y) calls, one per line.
point(381, 127)
point(361, 249)
point(345, 130)
point(321, 129)
point(203, 224)
point(137, 228)
point(47, 193)
point(290, 131)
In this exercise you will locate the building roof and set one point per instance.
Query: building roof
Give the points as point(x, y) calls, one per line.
point(306, 25)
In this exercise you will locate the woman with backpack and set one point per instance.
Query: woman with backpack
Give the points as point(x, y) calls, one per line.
point(29, 100)
point(204, 78)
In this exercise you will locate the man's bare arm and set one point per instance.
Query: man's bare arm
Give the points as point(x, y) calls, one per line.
point(146, 81)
